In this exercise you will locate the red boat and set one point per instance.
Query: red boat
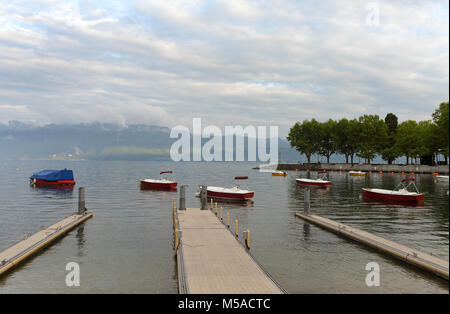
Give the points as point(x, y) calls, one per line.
point(321, 181)
point(235, 193)
point(400, 195)
point(159, 184)
point(53, 178)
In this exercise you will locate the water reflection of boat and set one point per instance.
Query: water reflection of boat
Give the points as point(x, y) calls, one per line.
point(320, 182)
point(53, 179)
point(163, 183)
point(399, 194)
point(442, 178)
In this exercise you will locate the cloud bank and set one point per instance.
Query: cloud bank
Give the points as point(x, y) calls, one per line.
point(230, 62)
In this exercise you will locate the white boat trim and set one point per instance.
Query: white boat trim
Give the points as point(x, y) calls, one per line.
point(159, 181)
point(312, 180)
point(233, 190)
point(392, 192)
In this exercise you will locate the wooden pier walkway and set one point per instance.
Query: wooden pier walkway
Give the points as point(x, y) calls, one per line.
point(424, 261)
point(17, 253)
point(212, 261)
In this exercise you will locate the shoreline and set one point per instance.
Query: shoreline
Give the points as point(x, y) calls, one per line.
point(441, 169)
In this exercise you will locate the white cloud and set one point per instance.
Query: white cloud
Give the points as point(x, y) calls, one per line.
point(231, 62)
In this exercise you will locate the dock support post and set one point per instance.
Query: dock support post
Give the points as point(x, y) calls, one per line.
point(183, 197)
point(203, 197)
point(228, 220)
point(81, 201)
point(237, 228)
point(247, 239)
point(221, 213)
point(307, 208)
point(216, 209)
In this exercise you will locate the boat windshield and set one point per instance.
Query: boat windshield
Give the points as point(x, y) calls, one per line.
point(239, 183)
point(406, 183)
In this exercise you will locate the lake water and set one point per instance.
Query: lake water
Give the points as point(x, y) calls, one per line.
point(127, 246)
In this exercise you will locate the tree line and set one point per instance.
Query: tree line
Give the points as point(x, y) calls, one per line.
point(369, 136)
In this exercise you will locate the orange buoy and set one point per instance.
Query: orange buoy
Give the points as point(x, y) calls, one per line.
point(435, 174)
point(381, 172)
point(412, 173)
point(370, 172)
point(392, 172)
point(403, 173)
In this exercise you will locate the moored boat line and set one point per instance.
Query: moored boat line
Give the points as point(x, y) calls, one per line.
point(397, 195)
point(53, 178)
point(356, 173)
point(234, 193)
point(321, 181)
point(159, 184)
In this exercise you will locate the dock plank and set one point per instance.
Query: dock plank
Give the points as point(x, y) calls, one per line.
point(422, 260)
point(214, 262)
point(15, 254)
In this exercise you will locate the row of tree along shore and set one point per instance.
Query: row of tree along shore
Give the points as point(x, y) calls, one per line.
point(385, 168)
point(369, 136)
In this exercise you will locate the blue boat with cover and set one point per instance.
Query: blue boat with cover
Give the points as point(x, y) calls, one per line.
point(53, 178)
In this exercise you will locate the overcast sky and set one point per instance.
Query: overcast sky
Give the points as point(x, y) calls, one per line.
point(231, 62)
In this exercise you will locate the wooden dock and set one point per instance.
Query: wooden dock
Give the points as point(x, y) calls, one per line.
point(424, 261)
point(17, 253)
point(212, 261)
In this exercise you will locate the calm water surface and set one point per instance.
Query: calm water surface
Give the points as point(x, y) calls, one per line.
point(127, 246)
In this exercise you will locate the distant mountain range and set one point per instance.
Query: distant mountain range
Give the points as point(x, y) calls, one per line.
point(97, 141)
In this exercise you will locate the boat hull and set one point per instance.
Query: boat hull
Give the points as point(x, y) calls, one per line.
point(158, 185)
point(357, 174)
point(279, 174)
point(53, 184)
point(230, 196)
point(313, 182)
point(386, 196)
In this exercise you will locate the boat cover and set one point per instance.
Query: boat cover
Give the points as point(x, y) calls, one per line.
point(53, 175)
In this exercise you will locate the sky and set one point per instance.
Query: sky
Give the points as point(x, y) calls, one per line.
point(230, 62)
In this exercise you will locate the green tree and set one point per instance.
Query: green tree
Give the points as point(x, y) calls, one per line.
point(348, 138)
point(305, 138)
point(429, 141)
point(327, 138)
point(373, 136)
point(391, 121)
point(440, 117)
point(389, 151)
point(407, 139)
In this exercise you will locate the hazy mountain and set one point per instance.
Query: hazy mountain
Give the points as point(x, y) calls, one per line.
point(98, 141)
